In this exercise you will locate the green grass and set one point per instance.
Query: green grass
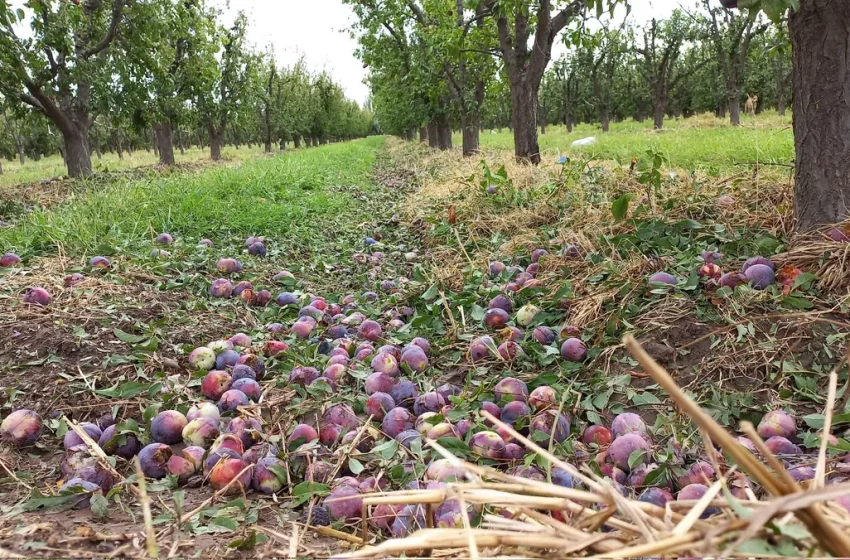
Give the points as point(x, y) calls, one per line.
point(14, 173)
point(702, 142)
point(288, 197)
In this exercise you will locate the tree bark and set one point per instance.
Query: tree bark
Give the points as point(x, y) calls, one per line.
point(297, 140)
point(423, 134)
point(605, 118)
point(165, 141)
point(21, 156)
point(524, 120)
point(120, 149)
point(433, 135)
point(735, 109)
point(77, 155)
point(470, 132)
point(283, 145)
point(216, 137)
point(1, 166)
point(444, 133)
point(821, 53)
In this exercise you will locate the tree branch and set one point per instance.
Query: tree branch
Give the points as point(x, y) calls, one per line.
point(117, 14)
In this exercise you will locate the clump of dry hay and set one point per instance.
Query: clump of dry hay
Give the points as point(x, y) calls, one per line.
point(601, 522)
point(816, 253)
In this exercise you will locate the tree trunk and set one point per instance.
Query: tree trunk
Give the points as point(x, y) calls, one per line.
point(155, 144)
point(423, 134)
point(444, 133)
point(659, 106)
point(120, 149)
point(570, 121)
point(1, 166)
point(821, 52)
point(268, 147)
point(469, 129)
point(165, 141)
point(735, 109)
point(433, 135)
point(77, 155)
point(216, 137)
point(605, 118)
point(282, 145)
point(543, 123)
point(297, 140)
point(524, 121)
point(97, 151)
point(721, 110)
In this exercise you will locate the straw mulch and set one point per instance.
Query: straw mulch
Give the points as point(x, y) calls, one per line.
point(599, 522)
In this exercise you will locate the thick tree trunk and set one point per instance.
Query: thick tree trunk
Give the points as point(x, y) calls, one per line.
point(821, 50)
point(165, 141)
point(120, 149)
point(605, 118)
point(77, 155)
point(297, 140)
point(268, 146)
point(433, 134)
point(781, 104)
point(721, 110)
point(216, 137)
point(444, 133)
point(423, 134)
point(570, 122)
point(524, 120)
point(659, 109)
point(470, 131)
point(282, 145)
point(735, 109)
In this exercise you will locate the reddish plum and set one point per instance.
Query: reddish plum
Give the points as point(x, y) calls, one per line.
point(428, 402)
point(415, 358)
point(344, 502)
point(71, 438)
point(779, 445)
point(370, 330)
point(502, 302)
point(600, 435)
point(228, 470)
point(248, 430)
point(385, 363)
point(496, 318)
point(555, 425)
point(250, 387)
point(9, 260)
point(341, 414)
point(215, 383)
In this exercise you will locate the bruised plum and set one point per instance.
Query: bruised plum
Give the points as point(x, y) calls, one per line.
point(200, 432)
point(247, 429)
point(266, 478)
point(215, 383)
point(544, 335)
point(228, 470)
point(202, 358)
point(21, 427)
point(154, 460)
point(248, 386)
point(221, 288)
point(481, 348)
point(515, 411)
point(341, 414)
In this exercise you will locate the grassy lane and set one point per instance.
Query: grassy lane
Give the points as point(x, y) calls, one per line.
point(701, 142)
point(293, 198)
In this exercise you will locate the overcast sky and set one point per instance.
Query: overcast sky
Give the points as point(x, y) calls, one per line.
point(318, 29)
